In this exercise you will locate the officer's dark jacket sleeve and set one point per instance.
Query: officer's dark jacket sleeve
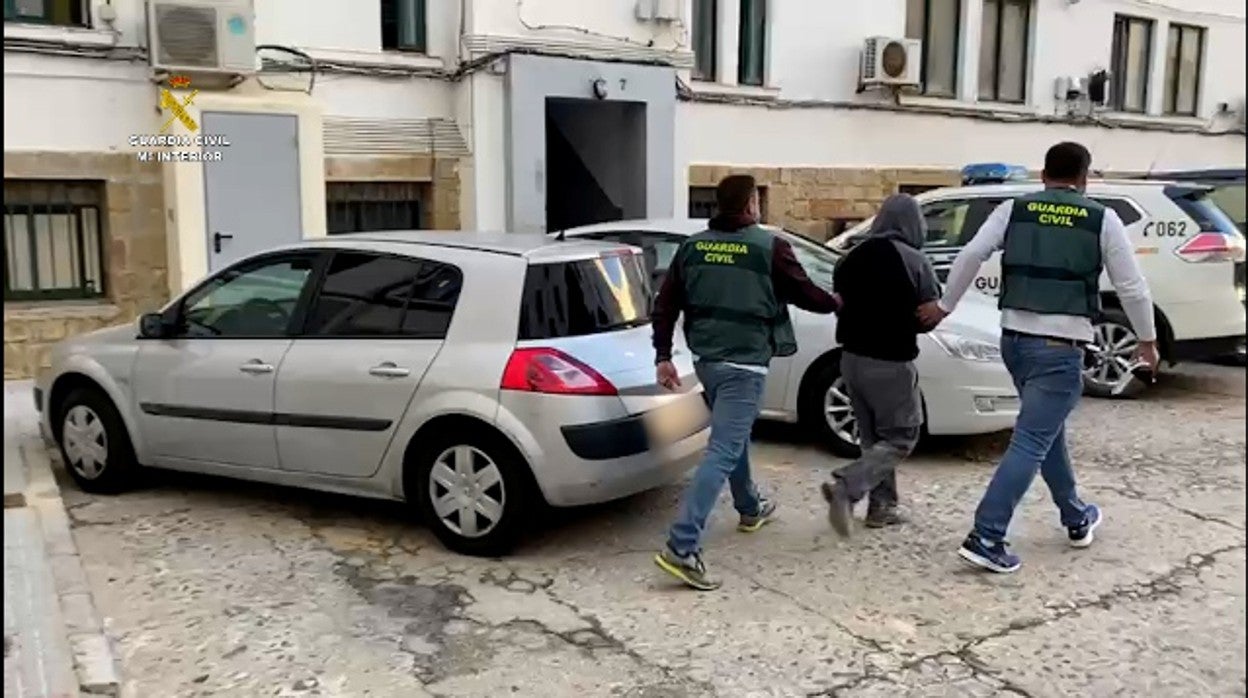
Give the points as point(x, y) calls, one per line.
point(793, 286)
point(667, 307)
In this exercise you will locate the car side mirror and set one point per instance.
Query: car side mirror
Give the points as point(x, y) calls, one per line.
point(154, 326)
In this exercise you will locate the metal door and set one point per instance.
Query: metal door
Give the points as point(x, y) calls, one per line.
point(252, 194)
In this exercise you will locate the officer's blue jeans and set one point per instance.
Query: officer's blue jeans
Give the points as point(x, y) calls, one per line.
point(734, 395)
point(1048, 377)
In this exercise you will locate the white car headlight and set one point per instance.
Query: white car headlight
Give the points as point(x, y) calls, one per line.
point(966, 348)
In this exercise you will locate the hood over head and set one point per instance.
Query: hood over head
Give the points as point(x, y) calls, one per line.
point(900, 218)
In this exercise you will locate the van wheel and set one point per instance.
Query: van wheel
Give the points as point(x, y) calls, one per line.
point(1108, 360)
point(474, 491)
point(825, 410)
point(94, 443)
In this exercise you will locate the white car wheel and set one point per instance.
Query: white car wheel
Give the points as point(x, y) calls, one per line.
point(839, 412)
point(1107, 361)
point(466, 491)
point(85, 441)
point(94, 443)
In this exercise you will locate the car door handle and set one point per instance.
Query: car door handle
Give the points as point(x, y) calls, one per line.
point(389, 370)
point(256, 367)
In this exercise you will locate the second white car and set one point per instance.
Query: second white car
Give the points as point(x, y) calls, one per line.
point(965, 387)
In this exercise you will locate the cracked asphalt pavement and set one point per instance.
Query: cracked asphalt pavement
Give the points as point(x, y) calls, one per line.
point(219, 588)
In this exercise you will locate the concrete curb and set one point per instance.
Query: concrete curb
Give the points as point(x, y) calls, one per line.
point(95, 661)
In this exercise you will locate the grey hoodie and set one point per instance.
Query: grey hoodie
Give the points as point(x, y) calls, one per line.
point(901, 220)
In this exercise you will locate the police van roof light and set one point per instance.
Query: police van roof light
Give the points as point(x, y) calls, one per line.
point(992, 173)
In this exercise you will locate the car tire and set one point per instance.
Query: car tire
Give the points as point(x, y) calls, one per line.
point(88, 427)
point(450, 457)
point(829, 430)
point(1111, 325)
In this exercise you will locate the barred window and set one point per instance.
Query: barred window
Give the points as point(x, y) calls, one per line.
point(357, 207)
point(53, 244)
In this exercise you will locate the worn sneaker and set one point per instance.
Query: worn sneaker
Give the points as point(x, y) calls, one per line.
point(994, 557)
point(765, 515)
point(840, 508)
point(687, 568)
point(883, 517)
point(1081, 535)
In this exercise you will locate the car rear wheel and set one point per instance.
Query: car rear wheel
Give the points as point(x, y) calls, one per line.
point(1107, 361)
point(826, 411)
point(474, 492)
point(94, 443)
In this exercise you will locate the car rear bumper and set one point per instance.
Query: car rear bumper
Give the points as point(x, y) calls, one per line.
point(581, 454)
point(980, 400)
point(593, 481)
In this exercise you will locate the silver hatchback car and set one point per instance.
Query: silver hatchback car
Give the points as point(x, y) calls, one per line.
point(475, 376)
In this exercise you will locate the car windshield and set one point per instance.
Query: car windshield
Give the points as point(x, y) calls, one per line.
point(818, 261)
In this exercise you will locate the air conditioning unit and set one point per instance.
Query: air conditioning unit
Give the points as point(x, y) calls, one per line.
point(202, 36)
point(891, 61)
point(659, 10)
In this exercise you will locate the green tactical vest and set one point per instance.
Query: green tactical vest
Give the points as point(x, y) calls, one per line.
point(1052, 258)
point(731, 312)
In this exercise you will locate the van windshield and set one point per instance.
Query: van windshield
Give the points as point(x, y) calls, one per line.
point(584, 296)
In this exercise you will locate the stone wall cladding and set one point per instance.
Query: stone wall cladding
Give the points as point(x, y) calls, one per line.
point(441, 173)
point(808, 199)
point(135, 254)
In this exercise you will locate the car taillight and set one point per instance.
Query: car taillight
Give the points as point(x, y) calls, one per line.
point(544, 370)
point(1212, 247)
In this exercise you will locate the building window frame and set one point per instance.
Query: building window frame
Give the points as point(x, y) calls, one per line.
point(1178, 34)
point(349, 204)
point(85, 242)
point(925, 34)
point(77, 13)
point(993, 92)
point(752, 43)
point(705, 37)
point(1120, 58)
point(405, 26)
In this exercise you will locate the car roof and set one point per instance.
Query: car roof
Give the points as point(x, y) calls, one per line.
point(680, 226)
point(673, 226)
point(1095, 186)
point(531, 246)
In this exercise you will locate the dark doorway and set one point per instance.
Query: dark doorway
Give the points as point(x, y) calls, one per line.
point(595, 162)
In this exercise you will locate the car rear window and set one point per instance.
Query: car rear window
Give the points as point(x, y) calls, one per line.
point(1196, 203)
point(584, 296)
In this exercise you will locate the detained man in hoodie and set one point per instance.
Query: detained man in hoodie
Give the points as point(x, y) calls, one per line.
point(882, 282)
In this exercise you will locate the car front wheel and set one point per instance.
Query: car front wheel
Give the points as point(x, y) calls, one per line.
point(473, 492)
point(94, 442)
point(827, 412)
point(1107, 361)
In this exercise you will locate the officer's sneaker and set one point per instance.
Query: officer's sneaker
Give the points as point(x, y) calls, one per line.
point(1081, 535)
point(687, 568)
point(766, 514)
point(992, 557)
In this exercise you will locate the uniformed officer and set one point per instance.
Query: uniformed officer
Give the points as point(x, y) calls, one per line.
point(1055, 244)
point(732, 283)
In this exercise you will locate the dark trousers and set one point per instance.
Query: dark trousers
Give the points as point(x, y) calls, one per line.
point(889, 411)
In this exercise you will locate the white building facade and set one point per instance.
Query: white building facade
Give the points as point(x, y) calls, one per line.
point(538, 114)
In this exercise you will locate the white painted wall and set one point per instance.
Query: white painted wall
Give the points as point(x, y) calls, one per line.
point(843, 138)
point(608, 21)
point(89, 104)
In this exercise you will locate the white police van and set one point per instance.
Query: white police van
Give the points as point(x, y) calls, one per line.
point(1188, 248)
